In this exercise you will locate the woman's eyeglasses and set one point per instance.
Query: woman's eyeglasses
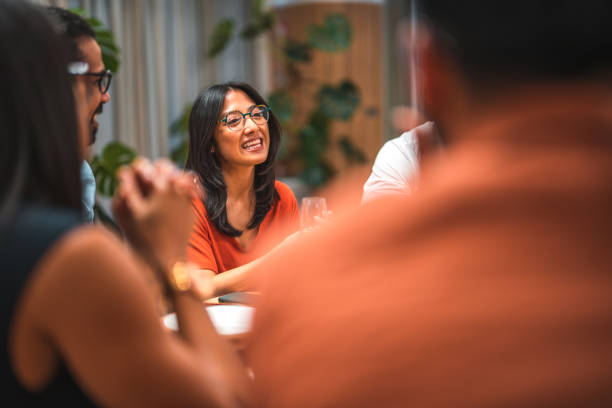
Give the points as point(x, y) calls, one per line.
point(236, 120)
point(104, 76)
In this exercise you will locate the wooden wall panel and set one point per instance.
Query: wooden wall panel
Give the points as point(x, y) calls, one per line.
point(361, 63)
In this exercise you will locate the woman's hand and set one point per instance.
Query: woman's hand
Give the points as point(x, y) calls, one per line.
point(203, 284)
point(153, 207)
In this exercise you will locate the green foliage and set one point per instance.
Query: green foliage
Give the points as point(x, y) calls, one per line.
point(222, 34)
point(313, 139)
point(262, 21)
point(281, 104)
point(105, 39)
point(335, 34)
point(334, 103)
point(106, 164)
point(351, 152)
point(297, 51)
point(180, 129)
point(339, 102)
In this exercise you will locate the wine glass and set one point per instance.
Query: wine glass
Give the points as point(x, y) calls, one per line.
point(314, 211)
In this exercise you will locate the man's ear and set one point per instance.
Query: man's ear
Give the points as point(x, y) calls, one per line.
point(437, 79)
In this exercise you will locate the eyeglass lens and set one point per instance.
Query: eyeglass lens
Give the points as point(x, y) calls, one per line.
point(237, 120)
point(105, 80)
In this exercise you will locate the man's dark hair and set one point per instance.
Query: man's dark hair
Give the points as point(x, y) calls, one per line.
point(72, 26)
point(39, 148)
point(524, 39)
point(202, 124)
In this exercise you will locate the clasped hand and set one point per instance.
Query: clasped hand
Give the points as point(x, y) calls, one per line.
point(152, 205)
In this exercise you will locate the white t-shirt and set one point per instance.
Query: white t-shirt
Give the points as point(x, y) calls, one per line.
point(394, 169)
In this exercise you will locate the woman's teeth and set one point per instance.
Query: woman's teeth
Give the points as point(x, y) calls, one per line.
point(252, 145)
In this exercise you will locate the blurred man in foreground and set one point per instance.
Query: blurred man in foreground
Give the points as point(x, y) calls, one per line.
point(490, 286)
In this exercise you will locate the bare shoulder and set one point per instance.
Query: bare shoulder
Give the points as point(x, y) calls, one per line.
point(87, 266)
point(87, 248)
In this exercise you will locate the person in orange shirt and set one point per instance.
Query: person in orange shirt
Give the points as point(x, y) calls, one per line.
point(243, 211)
point(490, 285)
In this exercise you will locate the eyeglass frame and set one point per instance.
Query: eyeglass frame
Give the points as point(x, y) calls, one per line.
point(266, 109)
point(101, 75)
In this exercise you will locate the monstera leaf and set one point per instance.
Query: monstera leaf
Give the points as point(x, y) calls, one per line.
point(335, 34)
point(222, 34)
point(106, 164)
point(104, 38)
point(297, 51)
point(339, 102)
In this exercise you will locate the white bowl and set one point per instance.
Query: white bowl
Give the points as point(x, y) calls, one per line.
point(227, 319)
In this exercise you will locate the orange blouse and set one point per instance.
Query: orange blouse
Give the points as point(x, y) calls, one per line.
point(211, 249)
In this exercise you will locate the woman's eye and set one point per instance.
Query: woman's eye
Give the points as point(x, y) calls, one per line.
point(233, 121)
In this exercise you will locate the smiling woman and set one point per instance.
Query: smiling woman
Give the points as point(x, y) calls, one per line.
point(243, 211)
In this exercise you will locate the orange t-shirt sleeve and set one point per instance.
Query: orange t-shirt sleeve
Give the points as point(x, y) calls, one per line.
point(200, 249)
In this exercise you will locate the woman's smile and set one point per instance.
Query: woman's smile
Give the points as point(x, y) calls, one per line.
point(253, 145)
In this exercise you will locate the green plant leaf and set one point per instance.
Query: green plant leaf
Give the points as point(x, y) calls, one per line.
point(78, 11)
point(352, 153)
point(339, 102)
point(281, 104)
point(335, 34)
point(106, 164)
point(297, 51)
point(260, 25)
point(222, 34)
point(180, 129)
point(313, 139)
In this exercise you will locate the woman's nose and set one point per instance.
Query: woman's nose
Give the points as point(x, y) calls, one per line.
point(249, 124)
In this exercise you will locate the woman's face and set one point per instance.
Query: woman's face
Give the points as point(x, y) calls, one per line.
point(246, 147)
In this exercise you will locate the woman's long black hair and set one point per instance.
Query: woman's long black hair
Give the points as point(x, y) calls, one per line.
point(39, 147)
point(202, 124)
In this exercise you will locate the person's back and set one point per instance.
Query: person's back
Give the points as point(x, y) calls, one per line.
point(34, 231)
point(487, 287)
point(490, 285)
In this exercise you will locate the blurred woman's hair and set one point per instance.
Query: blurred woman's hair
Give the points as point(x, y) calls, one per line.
point(39, 149)
point(205, 115)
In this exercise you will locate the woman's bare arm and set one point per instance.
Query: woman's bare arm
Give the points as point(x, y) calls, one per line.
point(93, 302)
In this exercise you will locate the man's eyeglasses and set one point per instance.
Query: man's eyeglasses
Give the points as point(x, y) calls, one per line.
point(104, 77)
point(236, 120)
